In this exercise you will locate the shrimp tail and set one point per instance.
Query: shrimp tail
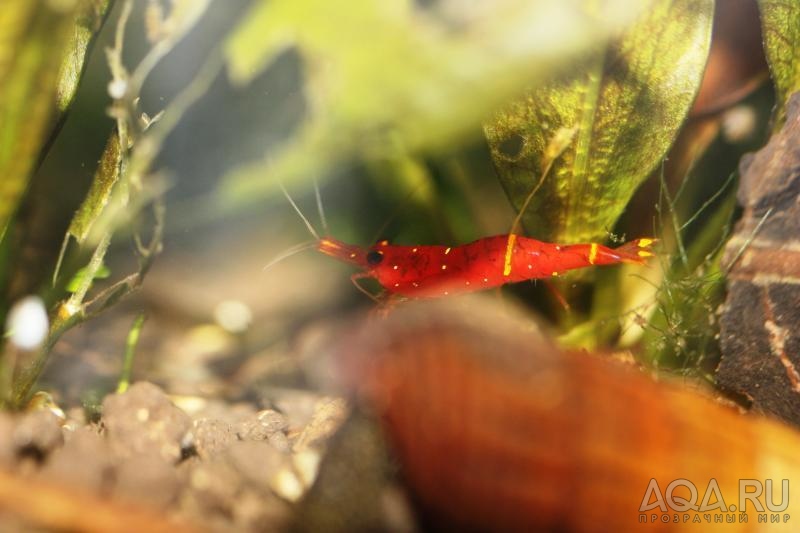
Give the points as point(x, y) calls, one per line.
point(637, 251)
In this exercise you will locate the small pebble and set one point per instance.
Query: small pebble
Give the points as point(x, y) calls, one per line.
point(212, 437)
point(306, 464)
point(272, 420)
point(280, 442)
point(263, 425)
point(287, 485)
point(143, 421)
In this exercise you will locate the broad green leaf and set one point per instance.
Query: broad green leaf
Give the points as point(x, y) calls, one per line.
point(626, 103)
point(34, 35)
point(105, 177)
point(780, 24)
point(385, 72)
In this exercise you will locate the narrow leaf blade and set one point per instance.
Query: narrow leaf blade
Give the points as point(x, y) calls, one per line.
point(105, 178)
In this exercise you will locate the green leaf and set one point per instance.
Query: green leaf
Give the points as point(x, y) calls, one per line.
point(780, 24)
point(626, 103)
point(105, 177)
point(80, 277)
point(99, 195)
point(88, 22)
point(34, 35)
point(386, 72)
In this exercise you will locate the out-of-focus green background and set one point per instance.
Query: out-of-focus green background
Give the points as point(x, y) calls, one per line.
point(422, 122)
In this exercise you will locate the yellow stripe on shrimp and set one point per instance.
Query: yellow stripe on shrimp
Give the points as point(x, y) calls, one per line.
point(512, 238)
point(592, 253)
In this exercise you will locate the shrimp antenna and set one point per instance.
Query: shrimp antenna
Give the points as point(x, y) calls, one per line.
point(286, 254)
point(555, 147)
point(320, 210)
point(393, 215)
point(297, 210)
point(518, 219)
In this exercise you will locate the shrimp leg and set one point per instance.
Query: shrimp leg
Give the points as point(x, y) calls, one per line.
point(557, 295)
point(362, 275)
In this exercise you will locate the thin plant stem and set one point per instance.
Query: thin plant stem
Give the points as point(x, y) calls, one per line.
point(95, 263)
point(130, 351)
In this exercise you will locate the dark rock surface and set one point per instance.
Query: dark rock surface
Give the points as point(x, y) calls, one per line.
point(760, 338)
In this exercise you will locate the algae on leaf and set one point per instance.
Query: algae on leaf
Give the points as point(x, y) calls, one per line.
point(626, 101)
point(780, 24)
point(32, 39)
point(96, 199)
point(385, 72)
point(43, 44)
point(88, 22)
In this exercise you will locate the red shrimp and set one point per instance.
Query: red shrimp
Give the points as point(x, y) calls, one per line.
point(436, 271)
point(433, 271)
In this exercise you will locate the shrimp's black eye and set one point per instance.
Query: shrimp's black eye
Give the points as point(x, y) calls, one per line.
point(374, 257)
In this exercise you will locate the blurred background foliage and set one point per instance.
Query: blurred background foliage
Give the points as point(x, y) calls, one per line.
point(424, 122)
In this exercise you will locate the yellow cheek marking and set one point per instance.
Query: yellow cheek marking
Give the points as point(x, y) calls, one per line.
point(644, 243)
point(645, 253)
point(592, 253)
point(512, 238)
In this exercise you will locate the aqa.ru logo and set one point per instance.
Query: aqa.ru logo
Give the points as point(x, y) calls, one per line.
point(759, 495)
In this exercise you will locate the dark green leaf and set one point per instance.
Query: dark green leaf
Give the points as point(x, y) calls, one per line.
point(780, 23)
point(33, 37)
point(87, 25)
point(625, 103)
